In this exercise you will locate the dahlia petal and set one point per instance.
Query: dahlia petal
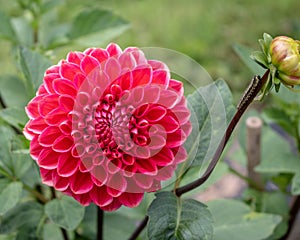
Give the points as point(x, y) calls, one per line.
point(116, 185)
point(27, 133)
point(68, 70)
point(100, 196)
point(141, 76)
point(79, 79)
point(157, 142)
point(46, 176)
point(100, 54)
point(168, 99)
point(52, 69)
point(147, 166)
point(155, 113)
point(37, 125)
point(55, 117)
point(81, 183)
point(165, 173)
point(112, 68)
point(158, 65)
point(60, 183)
point(67, 165)
point(89, 64)
point(35, 148)
point(182, 114)
point(64, 87)
point(49, 135)
point(47, 104)
point(170, 123)
point(66, 102)
point(164, 157)
point(65, 127)
point(143, 181)
point(176, 138)
point(84, 199)
point(42, 90)
point(113, 49)
point(48, 81)
point(137, 96)
point(161, 77)
point(131, 199)
point(114, 205)
point(63, 144)
point(99, 175)
point(138, 55)
point(180, 155)
point(48, 159)
point(125, 81)
point(75, 57)
point(32, 107)
point(127, 61)
point(176, 86)
point(86, 164)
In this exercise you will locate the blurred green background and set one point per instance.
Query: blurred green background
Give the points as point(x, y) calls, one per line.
point(204, 30)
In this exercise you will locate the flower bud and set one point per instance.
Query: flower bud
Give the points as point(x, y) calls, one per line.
point(285, 56)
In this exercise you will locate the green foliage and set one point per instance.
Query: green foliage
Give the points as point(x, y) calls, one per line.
point(235, 220)
point(65, 212)
point(173, 218)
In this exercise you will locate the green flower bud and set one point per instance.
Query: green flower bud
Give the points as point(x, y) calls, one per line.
point(285, 56)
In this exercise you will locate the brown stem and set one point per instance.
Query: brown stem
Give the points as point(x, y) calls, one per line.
point(246, 100)
point(100, 216)
point(293, 216)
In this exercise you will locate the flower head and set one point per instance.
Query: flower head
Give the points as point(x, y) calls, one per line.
point(285, 56)
point(108, 125)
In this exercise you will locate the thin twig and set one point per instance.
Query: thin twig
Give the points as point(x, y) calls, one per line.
point(100, 216)
point(139, 229)
point(246, 100)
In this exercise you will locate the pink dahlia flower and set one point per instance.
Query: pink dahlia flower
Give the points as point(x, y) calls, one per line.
point(108, 125)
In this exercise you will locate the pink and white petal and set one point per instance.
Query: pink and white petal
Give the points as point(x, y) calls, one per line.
point(164, 158)
point(116, 185)
point(68, 70)
point(52, 69)
point(155, 113)
point(75, 57)
point(32, 109)
point(143, 181)
point(100, 54)
point(131, 199)
point(89, 64)
point(67, 165)
point(113, 49)
point(84, 199)
point(99, 175)
point(63, 144)
point(48, 159)
point(66, 103)
point(176, 138)
point(55, 117)
point(81, 183)
point(60, 183)
point(176, 86)
point(161, 78)
point(158, 65)
point(46, 176)
point(48, 80)
point(112, 68)
point(141, 77)
point(47, 104)
point(113, 206)
point(127, 61)
point(100, 196)
point(35, 148)
point(146, 166)
point(64, 87)
point(37, 125)
point(169, 123)
point(48, 136)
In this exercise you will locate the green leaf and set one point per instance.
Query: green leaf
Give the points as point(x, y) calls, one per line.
point(33, 66)
point(95, 27)
point(15, 117)
point(5, 145)
point(25, 215)
point(52, 232)
point(296, 184)
point(12, 91)
point(24, 31)
point(173, 218)
point(10, 196)
point(244, 53)
point(65, 212)
point(211, 110)
point(6, 29)
point(234, 220)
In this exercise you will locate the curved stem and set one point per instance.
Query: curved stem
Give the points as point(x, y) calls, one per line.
point(249, 95)
point(100, 215)
point(38, 195)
